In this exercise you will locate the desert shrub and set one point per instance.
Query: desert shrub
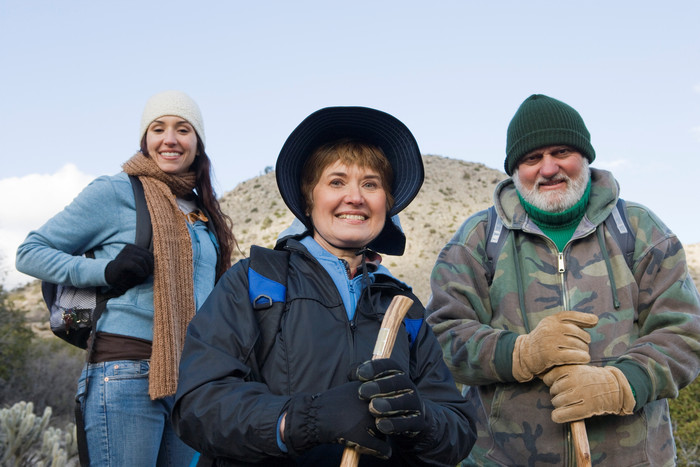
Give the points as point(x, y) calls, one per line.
point(688, 456)
point(48, 377)
point(15, 338)
point(26, 439)
point(43, 371)
point(685, 413)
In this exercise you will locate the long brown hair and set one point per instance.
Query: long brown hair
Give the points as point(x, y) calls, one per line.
point(221, 223)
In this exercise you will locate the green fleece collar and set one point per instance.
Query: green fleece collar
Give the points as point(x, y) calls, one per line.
point(603, 196)
point(546, 220)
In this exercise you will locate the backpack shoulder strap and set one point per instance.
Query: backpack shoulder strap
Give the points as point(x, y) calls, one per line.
point(496, 234)
point(267, 291)
point(143, 238)
point(618, 226)
point(616, 223)
point(267, 277)
point(144, 229)
point(414, 319)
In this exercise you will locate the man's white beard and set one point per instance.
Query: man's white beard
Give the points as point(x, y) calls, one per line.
point(555, 201)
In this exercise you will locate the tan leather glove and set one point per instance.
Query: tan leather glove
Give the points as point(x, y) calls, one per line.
point(557, 340)
point(582, 391)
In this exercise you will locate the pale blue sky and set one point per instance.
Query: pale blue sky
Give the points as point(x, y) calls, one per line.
point(74, 76)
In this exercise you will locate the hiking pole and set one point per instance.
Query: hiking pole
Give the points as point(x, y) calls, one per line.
point(581, 447)
point(382, 349)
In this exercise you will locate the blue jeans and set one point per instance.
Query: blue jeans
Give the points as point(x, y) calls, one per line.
point(124, 426)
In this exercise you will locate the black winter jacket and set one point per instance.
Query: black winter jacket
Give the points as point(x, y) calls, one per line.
point(228, 405)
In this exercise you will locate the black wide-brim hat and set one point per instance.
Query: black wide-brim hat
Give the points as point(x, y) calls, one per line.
point(363, 124)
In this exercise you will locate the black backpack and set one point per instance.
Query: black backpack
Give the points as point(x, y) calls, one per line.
point(73, 312)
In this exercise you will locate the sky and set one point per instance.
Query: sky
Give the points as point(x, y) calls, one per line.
point(75, 75)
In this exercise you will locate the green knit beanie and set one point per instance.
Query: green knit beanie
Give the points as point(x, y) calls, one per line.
point(543, 121)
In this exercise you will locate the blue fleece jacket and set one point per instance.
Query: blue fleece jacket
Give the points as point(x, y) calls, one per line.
point(349, 289)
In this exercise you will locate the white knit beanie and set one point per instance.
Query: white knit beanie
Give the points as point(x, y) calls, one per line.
point(175, 103)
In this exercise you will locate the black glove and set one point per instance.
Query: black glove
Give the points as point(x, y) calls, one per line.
point(337, 415)
point(394, 398)
point(131, 267)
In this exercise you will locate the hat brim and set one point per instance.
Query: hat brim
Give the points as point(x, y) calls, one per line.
point(361, 123)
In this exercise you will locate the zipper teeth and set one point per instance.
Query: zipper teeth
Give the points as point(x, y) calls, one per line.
point(565, 301)
point(562, 270)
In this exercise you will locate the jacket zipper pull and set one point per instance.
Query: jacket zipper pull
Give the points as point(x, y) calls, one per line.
point(561, 263)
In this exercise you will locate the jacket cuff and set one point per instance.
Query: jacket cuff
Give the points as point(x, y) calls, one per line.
point(638, 379)
point(503, 360)
point(301, 431)
point(89, 272)
point(280, 443)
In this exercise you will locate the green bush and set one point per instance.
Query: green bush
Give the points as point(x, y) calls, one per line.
point(43, 371)
point(48, 378)
point(15, 338)
point(685, 413)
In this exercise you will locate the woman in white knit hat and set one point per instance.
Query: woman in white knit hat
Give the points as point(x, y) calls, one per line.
point(126, 390)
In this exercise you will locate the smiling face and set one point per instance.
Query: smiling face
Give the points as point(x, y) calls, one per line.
point(349, 206)
point(172, 143)
point(552, 178)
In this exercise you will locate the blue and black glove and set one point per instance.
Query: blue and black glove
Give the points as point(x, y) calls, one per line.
point(394, 398)
point(131, 267)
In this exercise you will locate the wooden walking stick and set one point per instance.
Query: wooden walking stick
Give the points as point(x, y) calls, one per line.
point(581, 447)
point(382, 349)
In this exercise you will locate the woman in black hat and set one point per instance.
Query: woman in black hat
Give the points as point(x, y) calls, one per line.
point(272, 372)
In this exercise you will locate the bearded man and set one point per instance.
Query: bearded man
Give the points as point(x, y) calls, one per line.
point(558, 325)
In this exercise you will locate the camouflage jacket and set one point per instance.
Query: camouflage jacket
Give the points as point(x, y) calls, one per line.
point(653, 335)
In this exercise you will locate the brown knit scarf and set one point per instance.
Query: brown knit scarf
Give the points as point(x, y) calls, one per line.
point(173, 295)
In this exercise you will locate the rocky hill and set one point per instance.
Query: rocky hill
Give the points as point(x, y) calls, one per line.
point(453, 190)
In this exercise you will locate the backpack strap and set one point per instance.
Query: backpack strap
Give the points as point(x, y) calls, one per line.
point(390, 287)
point(144, 229)
point(267, 277)
point(267, 291)
point(616, 223)
point(413, 326)
point(618, 226)
point(495, 238)
point(143, 238)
